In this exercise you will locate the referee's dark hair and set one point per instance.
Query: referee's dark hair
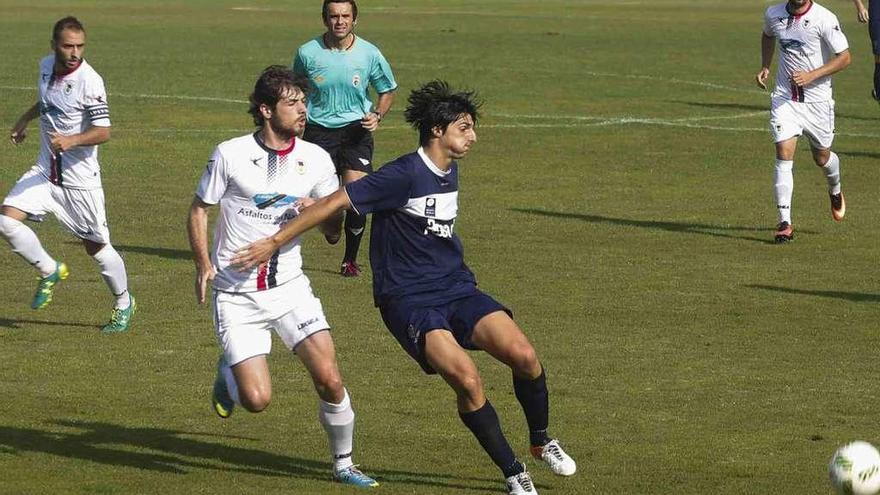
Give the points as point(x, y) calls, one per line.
point(325, 8)
point(436, 105)
point(273, 82)
point(69, 22)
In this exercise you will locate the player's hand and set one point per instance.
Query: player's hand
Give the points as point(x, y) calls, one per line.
point(59, 143)
point(863, 16)
point(761, 77)
point(370, 121)
point(802, 78)
point(254, 254)
point(17, 136)
point(204, 275)
point(303, 203)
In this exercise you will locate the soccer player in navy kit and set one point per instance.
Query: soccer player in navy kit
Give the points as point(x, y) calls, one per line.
point(426, 294)
point(871, 16)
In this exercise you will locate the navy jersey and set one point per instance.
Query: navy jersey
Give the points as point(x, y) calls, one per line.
point(414, 251)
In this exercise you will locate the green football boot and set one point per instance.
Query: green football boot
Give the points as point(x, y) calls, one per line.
point(120, 319)
point(220, 398)
point(43, 296)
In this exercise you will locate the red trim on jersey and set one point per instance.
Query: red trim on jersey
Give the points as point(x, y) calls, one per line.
point(798, 16)
point(287, 151)
point(65, 71)
point(261, 276)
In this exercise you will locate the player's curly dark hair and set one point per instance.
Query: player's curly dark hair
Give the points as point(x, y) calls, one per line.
point(325, 9)
point(436, 105)
point(69, 22)
point(273, 82)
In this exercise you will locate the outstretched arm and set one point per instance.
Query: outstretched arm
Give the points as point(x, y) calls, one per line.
point(197, 228)
point(767, 47)
point(19, 129)
point(323, 210)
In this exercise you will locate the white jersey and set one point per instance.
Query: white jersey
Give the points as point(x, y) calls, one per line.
point(806, 42)
point(70, 104)
point(256, 188)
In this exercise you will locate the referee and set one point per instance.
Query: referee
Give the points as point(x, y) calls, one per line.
point(341, 116)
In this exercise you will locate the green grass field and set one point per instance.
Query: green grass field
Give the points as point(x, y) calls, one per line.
point(619, 200)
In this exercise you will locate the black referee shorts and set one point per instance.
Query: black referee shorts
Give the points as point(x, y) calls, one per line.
point(350, 147)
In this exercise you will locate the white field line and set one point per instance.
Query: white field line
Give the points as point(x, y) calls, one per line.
point(580, 120)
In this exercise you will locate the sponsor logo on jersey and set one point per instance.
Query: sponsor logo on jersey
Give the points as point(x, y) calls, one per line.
point(791, 45)
point(440, 228)
point(356, 80)
point(256, 161)
point(430, 207)
point(265, 200)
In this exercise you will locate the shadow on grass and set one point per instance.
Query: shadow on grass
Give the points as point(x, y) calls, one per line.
point(680, 227)
point(846, 296)
point(173, 254)
point(178, 452)
point(17, 323)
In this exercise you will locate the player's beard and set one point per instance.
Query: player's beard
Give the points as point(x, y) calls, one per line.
point(286, 131)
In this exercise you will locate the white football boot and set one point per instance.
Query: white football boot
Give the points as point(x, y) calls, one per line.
point(521, 484)
point(551, 453)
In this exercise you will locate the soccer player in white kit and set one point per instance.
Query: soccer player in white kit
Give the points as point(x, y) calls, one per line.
point(812, 47)
point(261, 181)
point(66, 180)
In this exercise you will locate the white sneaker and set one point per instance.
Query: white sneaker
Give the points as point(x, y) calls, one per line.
point(552, 453)
point(521, 484)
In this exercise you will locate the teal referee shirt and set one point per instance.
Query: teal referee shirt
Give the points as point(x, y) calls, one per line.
point(340, 79)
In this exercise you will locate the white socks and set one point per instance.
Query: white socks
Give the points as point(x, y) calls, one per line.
point(231, 384)
point(338, 422)
point(25, 243)
point(783, 186)
point(113, 271)
point(832, 173)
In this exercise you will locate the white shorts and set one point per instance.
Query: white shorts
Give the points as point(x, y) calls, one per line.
point(789, 119)
point(244, 321)
point(80, 211)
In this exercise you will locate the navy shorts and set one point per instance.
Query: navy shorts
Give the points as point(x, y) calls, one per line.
point(409, 323)
point(350, 147)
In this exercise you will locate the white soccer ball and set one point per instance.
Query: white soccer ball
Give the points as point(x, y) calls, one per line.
point(855, 469)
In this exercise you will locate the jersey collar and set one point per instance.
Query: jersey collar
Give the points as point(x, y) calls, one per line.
point(283, 152)
point(430, 164)
point(798, 16)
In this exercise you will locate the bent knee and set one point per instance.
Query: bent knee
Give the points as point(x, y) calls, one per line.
point(524, 360)
point(255, 400)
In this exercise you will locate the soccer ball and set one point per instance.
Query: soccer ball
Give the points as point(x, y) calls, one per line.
point(855, 469)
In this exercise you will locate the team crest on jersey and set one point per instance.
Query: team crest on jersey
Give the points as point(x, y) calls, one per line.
point(430, 207)
point(806, 22)
point(68, 87)
point(356, 80)
point(300, 167)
